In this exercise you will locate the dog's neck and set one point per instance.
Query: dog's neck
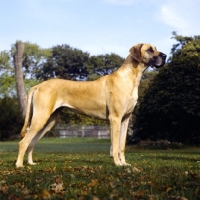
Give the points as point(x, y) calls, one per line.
point(132, 67)
point(130, 74)
point(134, 62)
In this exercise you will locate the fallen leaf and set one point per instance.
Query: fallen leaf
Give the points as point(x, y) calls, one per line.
point(95, 198)
point(93, 183)
point(169, 189)
point(46, 194)
point(58, 179)
point(134, 169)
point(57, 187)
point(25, 191)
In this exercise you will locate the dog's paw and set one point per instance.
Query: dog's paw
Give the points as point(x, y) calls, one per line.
point(19, 166)
point(118, 163)
point(32, 163)
point(126, 164)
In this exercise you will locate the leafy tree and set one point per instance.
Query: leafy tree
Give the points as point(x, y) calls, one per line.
point(33, 56)
point(7, 80)
point(4, 62)
point(102, 65)
point(170, 108)
point(8, 86)
point(65, 62)
point(73, 64)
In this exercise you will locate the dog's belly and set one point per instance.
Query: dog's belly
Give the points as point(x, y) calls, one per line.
point(91, 109)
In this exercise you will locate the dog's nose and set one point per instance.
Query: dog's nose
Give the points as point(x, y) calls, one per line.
point(163, 55)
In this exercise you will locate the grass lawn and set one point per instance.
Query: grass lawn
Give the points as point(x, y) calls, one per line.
point(80, 168)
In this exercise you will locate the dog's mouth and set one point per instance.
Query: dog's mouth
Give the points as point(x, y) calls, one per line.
point(158, 61)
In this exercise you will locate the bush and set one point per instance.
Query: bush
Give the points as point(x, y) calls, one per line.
point(11, 120)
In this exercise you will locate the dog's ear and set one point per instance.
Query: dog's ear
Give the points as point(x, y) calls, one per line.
point(135, 52)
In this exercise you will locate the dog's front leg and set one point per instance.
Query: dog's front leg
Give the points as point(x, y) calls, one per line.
point(115, 124)
point(122, 141)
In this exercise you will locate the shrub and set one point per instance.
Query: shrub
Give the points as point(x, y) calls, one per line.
point(11, 120)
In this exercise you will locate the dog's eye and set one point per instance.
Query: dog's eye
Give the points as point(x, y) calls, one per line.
point(150, 50)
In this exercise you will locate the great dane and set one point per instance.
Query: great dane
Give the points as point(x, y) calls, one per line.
point(111, 97)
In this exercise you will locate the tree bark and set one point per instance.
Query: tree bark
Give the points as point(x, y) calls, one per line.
point(19, 76)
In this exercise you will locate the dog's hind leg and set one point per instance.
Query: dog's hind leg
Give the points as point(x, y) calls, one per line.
point(38, 122)
point(122, 141)
point(50, 123)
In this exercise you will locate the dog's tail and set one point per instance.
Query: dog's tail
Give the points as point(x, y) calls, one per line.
point(29, 111)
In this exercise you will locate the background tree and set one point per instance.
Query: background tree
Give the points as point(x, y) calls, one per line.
point(102, 65)
point(5, 65)
point(73, 64)
point(170, 108)
point(7, 79)
point(33, 56)
point(65, 62)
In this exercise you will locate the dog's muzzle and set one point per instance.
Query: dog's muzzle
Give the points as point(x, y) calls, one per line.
point(158, 61)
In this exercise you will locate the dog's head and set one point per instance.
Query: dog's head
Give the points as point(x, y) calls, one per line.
point(148, 54)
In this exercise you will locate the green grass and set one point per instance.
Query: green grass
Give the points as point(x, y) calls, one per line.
point(80, 168)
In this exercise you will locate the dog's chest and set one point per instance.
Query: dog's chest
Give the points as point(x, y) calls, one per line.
point(132, 100)
point(131, 105)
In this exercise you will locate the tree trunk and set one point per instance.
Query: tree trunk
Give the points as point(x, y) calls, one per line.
point(21, 93)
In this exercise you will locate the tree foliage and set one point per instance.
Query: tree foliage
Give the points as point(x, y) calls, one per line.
point(65, 62)
point(32, 57)
point(4, 61)
point(170, 108)
point(7, 80)
point(74, 64)
point(103, 64)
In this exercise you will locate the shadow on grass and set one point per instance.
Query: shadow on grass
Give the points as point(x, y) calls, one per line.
point(175, 158)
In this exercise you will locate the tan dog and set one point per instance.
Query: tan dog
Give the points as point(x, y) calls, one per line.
point(112, 97)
